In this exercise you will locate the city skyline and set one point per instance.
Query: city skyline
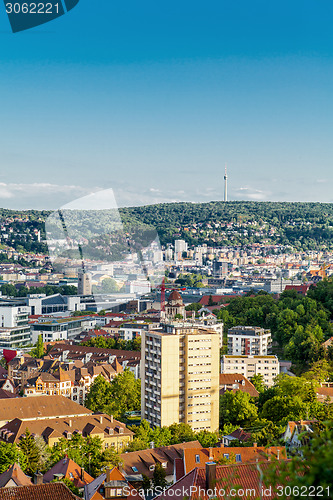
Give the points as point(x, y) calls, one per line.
point(153, 102)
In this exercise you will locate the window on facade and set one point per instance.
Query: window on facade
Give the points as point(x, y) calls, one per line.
point(238, 457)
point(197, 459)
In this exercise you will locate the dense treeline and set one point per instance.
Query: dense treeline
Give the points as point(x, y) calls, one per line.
point(114, 343)
point(22, 291)
point(307, 226)
point(302, 225)
point(299, 324)
point(266, 417)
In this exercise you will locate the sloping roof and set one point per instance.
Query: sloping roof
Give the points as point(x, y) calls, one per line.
point(240, 434)
point(16, 474)
point(52, 491)
point(183, 485)
point(239, 476)
point(60, 427)
point(69, 469)
point(237, 381)
point(98, 353)
point(91, 489)
point(143, 459)
point(324, 392)
point(7, 394)
point(41, 407)
point(228, 477)
point(198, 457)
point(216, 298)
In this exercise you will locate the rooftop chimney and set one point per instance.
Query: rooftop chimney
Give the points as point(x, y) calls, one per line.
point(111, 418)
point(254, 445)
point(211, 457)
point(70, 422)
point(101, 419)
point(38, 478)
point(82, 473)
point(152, 445)
point(108, 475)
point(210, 475)
point(278, 454)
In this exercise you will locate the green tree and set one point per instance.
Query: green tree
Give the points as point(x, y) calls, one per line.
point(258, 382)
point(99, 395)
point(313, 468)
point(207, 439)
point(38, 350)
point(125, 394)
point(237, 408)
point(9, 454)
point(283, 408)
point(70, 485)
point(110, 458)
point(159, 476)
point(30, 449)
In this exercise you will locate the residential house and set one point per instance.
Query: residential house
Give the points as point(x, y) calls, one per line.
point(199, 457)
point(67, 468)
point(111, 486)
point(200, 483)
point(144, 461)
point(114, 434)
point(236, 382)
point(14, 476)
point(239, 435)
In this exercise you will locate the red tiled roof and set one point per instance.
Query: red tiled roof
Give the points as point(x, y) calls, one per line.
point(198, 457)
point(239, 476)
point(52, 491)
point(216, 298)
point(143, 459)
point(16, 474)
point(228, 477)
point(70, 470)
point(240, 434)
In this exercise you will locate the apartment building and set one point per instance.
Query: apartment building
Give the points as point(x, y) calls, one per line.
point(249, 341)
point(180, 377)
point(267, 366)
point(14, 324)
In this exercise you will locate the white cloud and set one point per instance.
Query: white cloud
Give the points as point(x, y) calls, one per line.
point(38, 195)
point(248, 193)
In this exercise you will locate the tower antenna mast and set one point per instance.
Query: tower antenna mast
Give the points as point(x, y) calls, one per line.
point(225, 184)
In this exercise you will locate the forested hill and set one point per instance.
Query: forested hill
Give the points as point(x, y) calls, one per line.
point(307, 226)
point(302, 225)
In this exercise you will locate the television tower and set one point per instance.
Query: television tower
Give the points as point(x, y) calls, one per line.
point(225, 184)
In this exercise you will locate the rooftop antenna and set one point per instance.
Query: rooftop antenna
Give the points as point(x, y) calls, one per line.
point(225, 184)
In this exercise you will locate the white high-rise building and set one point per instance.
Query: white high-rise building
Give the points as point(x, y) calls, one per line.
point(249, 340)
point(180, 247)
point(14, 323)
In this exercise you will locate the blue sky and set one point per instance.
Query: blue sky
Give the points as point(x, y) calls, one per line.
point(151, 99)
